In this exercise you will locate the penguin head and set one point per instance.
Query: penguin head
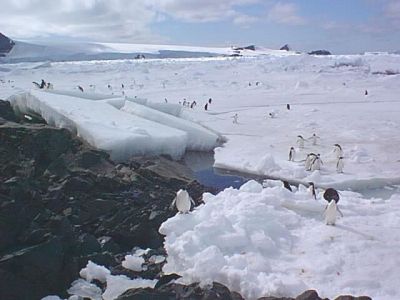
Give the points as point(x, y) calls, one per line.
point(182, 193)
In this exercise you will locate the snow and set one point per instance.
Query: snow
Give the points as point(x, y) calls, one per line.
point(260, 239)
point(268, 241)
point(117, 285)
point(133, 262)
point(93, 271)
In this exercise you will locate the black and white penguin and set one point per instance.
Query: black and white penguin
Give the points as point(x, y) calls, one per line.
point(292, 154)
point(311, 189)
point(338, 150)
point(300, 141)
point(286, 185)
point(309, 159)
point(37, 85)
point(330, 213)
point(316, 163)
point(366, 93)
point(80, 88)
point(209, 101)
point(340, 165)
point(182, 201)
point(288, 106)
point(206, 106)
point(235, 119)
point(314, 139)
point(43, 84)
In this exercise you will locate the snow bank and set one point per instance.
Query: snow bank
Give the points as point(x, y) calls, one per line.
point(199, 138)
point(268, 241)
point(103, 126)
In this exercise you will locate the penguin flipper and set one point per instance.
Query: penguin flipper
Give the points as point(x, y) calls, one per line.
point(171, 207)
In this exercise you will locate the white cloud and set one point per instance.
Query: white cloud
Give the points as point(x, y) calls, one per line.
point(202, 11)
point(105, 20)
point(285, 13)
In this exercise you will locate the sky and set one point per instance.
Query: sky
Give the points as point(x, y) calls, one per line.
point(340, 26)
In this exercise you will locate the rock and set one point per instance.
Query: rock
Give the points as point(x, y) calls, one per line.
point(182, 292)
point(285, 48)
point(320, 52)
point(6, 44)
point(348, 297)
point(309, 295)
point(6, 111)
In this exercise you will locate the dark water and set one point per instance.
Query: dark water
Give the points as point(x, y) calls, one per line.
point(201, 163)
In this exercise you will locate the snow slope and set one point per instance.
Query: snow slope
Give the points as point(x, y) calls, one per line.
point(268, 241)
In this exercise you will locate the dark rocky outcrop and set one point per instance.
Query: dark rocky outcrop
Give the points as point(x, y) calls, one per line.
point(63, 203)
point(6, 45)
point(285, 48)
point(320, 52)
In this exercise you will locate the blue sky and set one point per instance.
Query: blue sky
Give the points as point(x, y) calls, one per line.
point(341, 26)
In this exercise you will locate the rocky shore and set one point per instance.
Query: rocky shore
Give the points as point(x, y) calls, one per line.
point(63, 203)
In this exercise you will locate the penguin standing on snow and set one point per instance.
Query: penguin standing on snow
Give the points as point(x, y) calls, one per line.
point(80, 88)
point(292, 154)
point(338, 150)
point(288, 106)
point(340, 165)
point(309, 159)
point(316, 163)
point(206, 106)
point(330, 213)
point(314, 139)
point(332, 196)
point(311, 189)
point(235, 119)
point(300, 141)
point(182, 201)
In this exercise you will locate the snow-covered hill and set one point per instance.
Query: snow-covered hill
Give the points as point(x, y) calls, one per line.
point(81, 51)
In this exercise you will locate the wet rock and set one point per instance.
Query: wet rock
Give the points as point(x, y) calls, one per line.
point(7, 112)
point(178, 291)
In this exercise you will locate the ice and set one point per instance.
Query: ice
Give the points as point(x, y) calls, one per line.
point(199, 138)
point(269, 241)
point(85, 289)
point(117, 285)
point(103, 126)
point(94, 271)
point(133, 262)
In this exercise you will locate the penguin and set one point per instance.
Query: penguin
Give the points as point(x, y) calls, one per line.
point(122, 86)
point(331, 213)
point(316, 163)
point(165, 100)
point(182, 201)
point(286, 185)
point(338, 150)
point(42, 84)
point(300, 141)
point(49, 86)
point(340, 165)
point(209, 101)
point(206, 106)
point(366, 93)
point(272, 115)
point(80, 88)
point(292, 154)
point(311, 189)
point(235, 119)
point(309, 159)
point(314, 139)
point(36, 84)
point(109, 87)
point(288, 106)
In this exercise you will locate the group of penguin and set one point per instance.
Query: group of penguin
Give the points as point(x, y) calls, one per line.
point(183, 202)
point(313, 161)
point(43, 85)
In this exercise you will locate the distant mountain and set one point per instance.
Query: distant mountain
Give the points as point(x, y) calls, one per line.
point(80, 51)
point(6, 44)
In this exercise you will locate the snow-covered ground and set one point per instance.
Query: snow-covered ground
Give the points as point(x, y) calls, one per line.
point(268, 240)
